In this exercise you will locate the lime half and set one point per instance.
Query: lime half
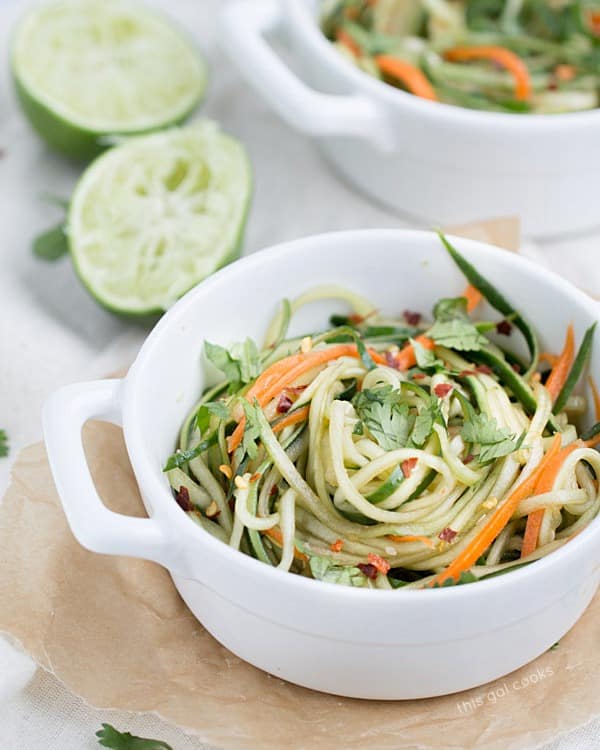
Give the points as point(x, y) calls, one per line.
point(86, 70)
point(152, 217)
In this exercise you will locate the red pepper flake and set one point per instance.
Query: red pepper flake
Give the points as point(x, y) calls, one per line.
point(182, 496)
point(284, 404)
point(336, 546)
point(273, 491)
point(419, 376)
point(447, 534)
point(391, 360)
point(468, 458)
point(441, 390)
point(356, 319)
point(466, 373)
point(504, 327)
point(516, 367)
point(379, 563)
point(412, 318)
point(255, 477)
point(408, 465)
point(484, 369)
point(368, 570)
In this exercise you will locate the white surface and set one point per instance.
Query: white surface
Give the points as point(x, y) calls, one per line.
point(51, 333)
point(448, 164)
point(460, 637)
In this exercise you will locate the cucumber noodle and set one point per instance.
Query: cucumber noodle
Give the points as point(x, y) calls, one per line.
point(375, 461)
point(556, 43)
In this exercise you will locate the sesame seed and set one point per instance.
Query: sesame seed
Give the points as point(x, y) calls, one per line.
point(241, 482)
point(212, 510)
point(306, 345)
point(490, 503)
point(226, 470)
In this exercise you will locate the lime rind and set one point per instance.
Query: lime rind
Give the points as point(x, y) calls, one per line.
point(87, 69)
point(152, 217)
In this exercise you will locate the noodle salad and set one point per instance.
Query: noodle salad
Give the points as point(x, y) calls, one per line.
point(500, 55)
point(388, 453)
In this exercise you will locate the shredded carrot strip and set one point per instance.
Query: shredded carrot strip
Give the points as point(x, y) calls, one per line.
point(544, 484)
point(343, 37)
point(277, 537)
point(502, 56)
point(560, 371)
point(280, 374)
point(412, 538)
point(497, 520)
point(299, 415)
point(406, 358)
point(413, 78)
point(551, 359)
point(474, 297)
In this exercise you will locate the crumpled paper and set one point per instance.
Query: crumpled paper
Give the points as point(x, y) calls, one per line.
point(116, 632)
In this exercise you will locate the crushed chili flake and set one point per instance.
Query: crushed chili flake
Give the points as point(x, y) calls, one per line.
point(447, 534)
point(466, 373)
point(468, 458)
point(412, 318)
point(273, 490)
point(565, 72)
point(284, 404)
point(356, 318)
point(484, 369)
point(255, 477)
point(419, 376)
point(379, 563)
point(368, 570)
point(441, 390)
point(336, 546)
point(408, 465)
point(183, 498)
point(504, 327)
point(516, 367)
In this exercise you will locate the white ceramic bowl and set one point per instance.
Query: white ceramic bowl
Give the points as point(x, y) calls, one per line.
point(354, 642)
point(440, 163)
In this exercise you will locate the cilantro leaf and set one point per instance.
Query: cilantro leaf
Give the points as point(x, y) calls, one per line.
point(203, 414)
point(457, 334)
point(387, 419)
point(110, 737)
point(451, 308)
point(240, 364)
point(423, 426)
point(180, 458)
point(251, 430)
point(324, 569)
point(425, 357)
point(3, 444)
point(51, 244)
point(494, 441)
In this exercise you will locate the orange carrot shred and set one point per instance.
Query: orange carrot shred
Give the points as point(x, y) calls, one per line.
point(544, 484)
point(413, 78)
point(343, 37)
point(497, 521)
point(276, 535)
point(473, 296)
point(412, 538)
point(560, 371)
point(502, 56)
point(596, 397)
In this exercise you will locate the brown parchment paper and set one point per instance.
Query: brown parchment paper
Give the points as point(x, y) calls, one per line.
point(115, 631)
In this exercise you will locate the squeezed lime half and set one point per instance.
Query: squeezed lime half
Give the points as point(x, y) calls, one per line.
point(152, 217)
point(88, 70)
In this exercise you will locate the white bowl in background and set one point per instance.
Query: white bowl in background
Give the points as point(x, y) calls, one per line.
point(440, 163)
point(349, 641)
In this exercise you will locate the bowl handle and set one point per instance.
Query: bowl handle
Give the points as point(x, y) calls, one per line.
point(243, 26)
point(95, 526)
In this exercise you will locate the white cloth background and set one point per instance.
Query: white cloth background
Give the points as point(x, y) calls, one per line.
point(52, 333)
